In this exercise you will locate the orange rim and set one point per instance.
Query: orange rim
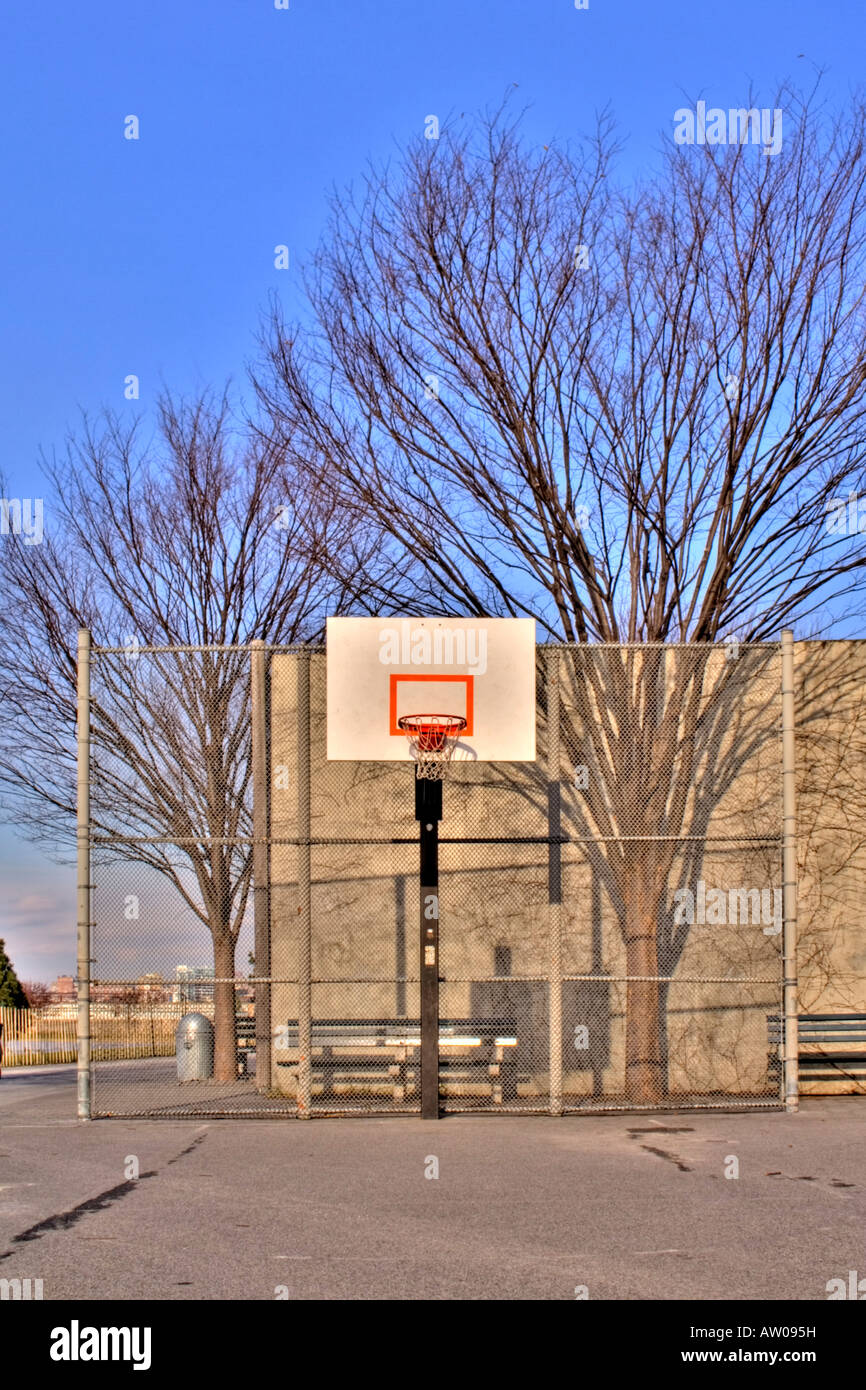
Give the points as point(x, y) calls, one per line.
point(431, 732)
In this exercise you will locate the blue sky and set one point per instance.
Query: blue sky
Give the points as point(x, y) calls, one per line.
point(156, 256)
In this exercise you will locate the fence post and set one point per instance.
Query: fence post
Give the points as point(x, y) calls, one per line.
point(261, 858)
point(83, 838)
point(554, 877)
point(305, 926)
point(789, 875)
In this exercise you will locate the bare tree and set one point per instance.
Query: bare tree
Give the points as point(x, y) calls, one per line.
point(625, 413)
point(194, 538)
point(38, 993)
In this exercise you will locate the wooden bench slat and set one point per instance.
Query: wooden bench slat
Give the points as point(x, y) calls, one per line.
point(400, 1033)
point(858, 1057)
point(824, 1018)
point(832, 1030)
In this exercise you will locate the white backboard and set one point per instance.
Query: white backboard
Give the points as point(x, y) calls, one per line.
point(482, 669)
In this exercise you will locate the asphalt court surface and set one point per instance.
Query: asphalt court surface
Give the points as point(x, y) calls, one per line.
point(625, 1206)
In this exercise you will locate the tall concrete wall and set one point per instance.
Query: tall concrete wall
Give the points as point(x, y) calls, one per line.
point(496, 918)
point(831, 790)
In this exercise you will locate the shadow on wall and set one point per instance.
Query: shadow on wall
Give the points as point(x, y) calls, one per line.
point(586, 1013)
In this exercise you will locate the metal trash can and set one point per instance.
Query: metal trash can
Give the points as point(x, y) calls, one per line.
point(193, 1041)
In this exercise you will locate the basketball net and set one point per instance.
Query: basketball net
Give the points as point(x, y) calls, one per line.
point(432, 740)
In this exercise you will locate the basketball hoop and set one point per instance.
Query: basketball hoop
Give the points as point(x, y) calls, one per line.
point(432, 740)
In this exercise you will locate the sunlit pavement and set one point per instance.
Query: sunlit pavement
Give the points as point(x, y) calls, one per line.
point(625, 1206)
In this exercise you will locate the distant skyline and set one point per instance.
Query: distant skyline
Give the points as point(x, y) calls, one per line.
point(154, 256)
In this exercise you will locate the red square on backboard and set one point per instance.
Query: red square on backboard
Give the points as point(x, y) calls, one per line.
point(467, 681)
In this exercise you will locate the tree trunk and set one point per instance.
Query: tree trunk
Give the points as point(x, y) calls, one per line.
point(225, 1043)
point(644, 1071)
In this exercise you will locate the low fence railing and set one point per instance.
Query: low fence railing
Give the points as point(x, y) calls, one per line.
point(29, 1038)
point(34, 1037)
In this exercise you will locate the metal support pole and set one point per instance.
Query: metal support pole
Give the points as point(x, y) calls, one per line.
point(554, 879)
point(428, 810)
point(261, 858)
point(83, 837)
point(789, 876)
point(305, 918)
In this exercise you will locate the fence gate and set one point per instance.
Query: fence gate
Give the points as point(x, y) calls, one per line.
point(611, 916)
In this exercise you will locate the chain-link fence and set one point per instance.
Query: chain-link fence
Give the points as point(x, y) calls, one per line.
point(610, 916)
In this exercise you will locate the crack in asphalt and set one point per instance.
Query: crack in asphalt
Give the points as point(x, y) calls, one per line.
point(62, 1221)
point(188, 1150)
point(666, 1129)
point(805, 1177)
point(671, 1158)
point(634, 1131)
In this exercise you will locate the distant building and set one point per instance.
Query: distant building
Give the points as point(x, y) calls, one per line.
point(193, 984)
point(63, 991)
point(152, 988)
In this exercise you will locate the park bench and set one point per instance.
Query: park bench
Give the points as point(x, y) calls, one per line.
point(827, 1033)
point(350, 1050)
